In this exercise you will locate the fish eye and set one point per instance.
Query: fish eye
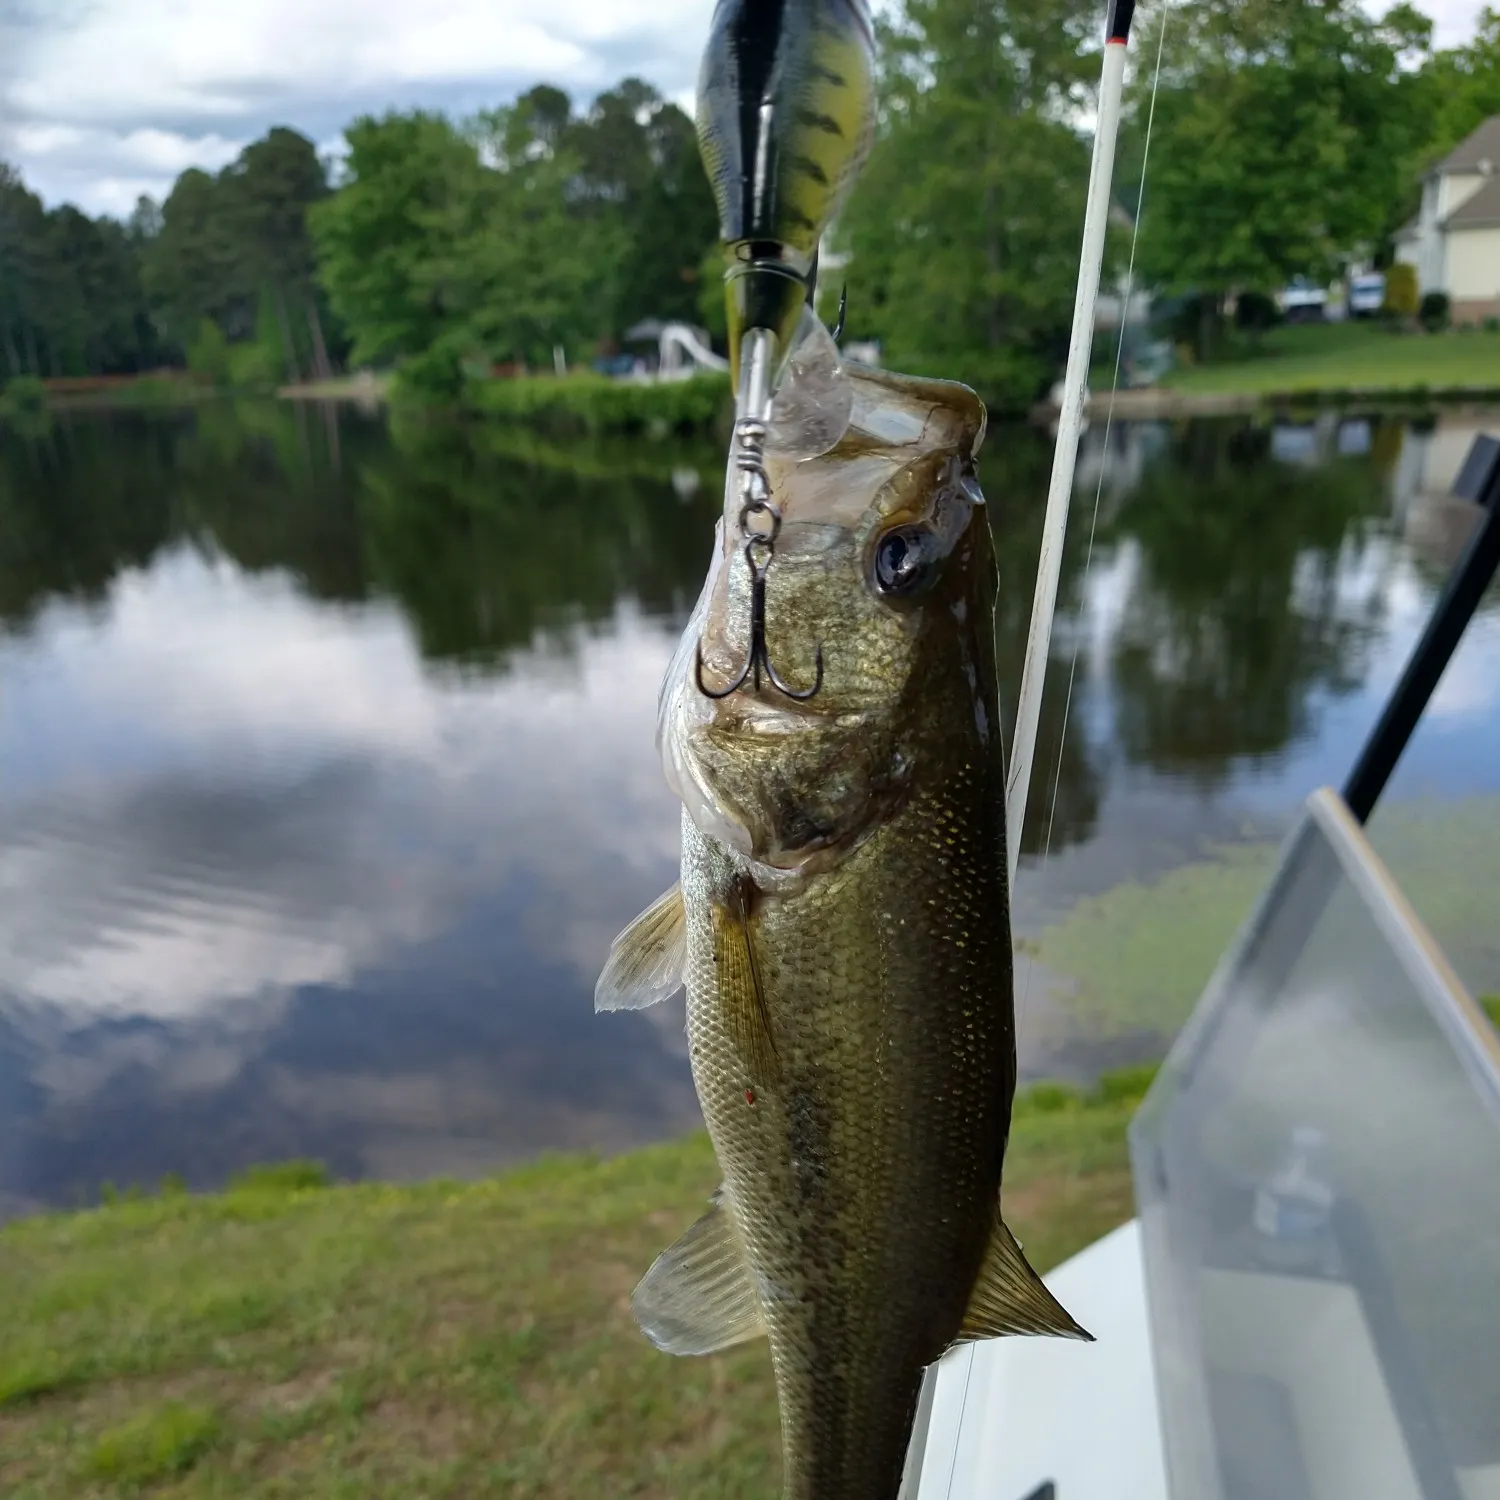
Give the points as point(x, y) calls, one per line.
point(904, 560)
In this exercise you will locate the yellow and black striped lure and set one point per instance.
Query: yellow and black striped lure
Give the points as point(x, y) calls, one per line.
point(786, 116)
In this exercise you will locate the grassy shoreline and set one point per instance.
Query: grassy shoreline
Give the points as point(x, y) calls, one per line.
point(1357, 359)
point(285, 1338)
point(1315, 366)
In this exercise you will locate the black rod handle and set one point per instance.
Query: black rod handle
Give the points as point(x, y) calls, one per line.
point(1479, 480)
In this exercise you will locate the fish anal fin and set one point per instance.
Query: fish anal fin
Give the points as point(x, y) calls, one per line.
point(740, 994)
point(699, 1295)
point(1010, 1298)
point(646, 961)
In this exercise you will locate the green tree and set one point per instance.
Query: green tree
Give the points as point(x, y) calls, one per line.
point(387, 243)
point(490, 242)
point(1464, 84)
point(96, 324)
point(270, 189)
point(24, 273)
point(194, 267)
point(553, 239)
point(71, 301)
point(1284, 135)
point(965, 228)
point(637, 166)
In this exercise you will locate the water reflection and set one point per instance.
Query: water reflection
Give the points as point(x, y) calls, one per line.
point(1248, 594)
point(326, 763)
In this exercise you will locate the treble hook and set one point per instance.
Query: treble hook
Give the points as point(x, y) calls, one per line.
point(757, 659)
point(760, 548)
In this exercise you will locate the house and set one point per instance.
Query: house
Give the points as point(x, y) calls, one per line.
point(1454, 242)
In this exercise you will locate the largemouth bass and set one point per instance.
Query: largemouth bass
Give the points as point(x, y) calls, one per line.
point(842, 924)
point(786, 117)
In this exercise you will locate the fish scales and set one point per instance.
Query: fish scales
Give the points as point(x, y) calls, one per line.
point(882, 1140)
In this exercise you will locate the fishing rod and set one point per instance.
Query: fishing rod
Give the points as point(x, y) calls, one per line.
point(1069, 424)
point(1049, 565)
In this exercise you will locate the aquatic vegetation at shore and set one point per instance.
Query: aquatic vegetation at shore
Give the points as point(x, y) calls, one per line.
point(595, 403)
point(1140, 954)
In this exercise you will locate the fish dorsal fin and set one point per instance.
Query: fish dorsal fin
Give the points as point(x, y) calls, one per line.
point(699, 1295)
point(1009, 1297)
point(646, 961)
point(739, 991)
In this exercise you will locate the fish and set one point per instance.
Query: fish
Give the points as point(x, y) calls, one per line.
point(841, 923)
point(786, 113)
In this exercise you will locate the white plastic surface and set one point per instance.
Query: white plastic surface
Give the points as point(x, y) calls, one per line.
point(1010, 1414)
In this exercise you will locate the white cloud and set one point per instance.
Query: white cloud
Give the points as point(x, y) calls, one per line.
point(200, 77)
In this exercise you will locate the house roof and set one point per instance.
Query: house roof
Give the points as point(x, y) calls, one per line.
point(1482, 208)
point(1483, 145)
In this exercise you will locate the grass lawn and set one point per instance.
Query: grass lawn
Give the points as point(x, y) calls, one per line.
point(287, 1338)
point(1348, 356)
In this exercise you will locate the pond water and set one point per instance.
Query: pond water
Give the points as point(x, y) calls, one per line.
point(327, 769)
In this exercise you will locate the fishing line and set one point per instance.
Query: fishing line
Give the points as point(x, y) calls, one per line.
point(1109, 417)
point(1088, 561)
point(1087, 566)
point(963, 1407)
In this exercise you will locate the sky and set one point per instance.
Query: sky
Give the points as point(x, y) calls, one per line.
point(103, 100)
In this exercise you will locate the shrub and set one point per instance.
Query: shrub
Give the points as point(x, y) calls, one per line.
point(208, 354)
point(596, 403)
point(1254, 312)
point(1127, 1085)
point(1047, 1098)
point(1435, 311)
point(24, 394)
point(436, 375)
point(253, 366)
point(1401, 299)
point(281, 1177)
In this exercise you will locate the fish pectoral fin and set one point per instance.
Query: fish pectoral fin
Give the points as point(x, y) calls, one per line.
point(739, 990)
point(1009, 1297)
point(699, 1295)
point(647, 960)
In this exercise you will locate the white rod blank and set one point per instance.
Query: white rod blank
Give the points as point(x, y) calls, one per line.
point(1065, 455)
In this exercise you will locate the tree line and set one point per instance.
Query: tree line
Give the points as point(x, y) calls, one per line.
point(1287, 137)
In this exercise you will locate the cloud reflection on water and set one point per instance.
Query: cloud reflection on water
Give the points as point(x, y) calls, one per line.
point(355, 808)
